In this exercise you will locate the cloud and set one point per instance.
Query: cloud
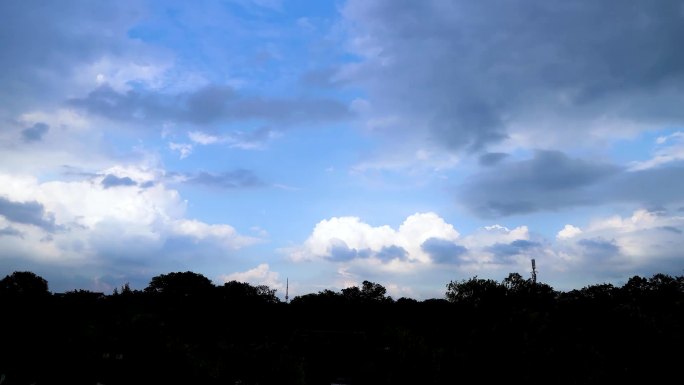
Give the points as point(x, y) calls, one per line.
point(108, 230)
point(10, 231)
point(519, 246)
point(599, 248)
point(184, 149)
point(425, 247)
point(30, 213)
point(492, 158)
point(568, 232)
point(245, 140)
point(239, 178)
point(549, 181)
point(260, 275)
point(535, 73)
point(347, 238)
point(200, 137)
point(388, 253)
point(69, 53)
point(443, 251)
point(110, 181)
point(207, 105)
point(35, 133)
point(340, 251)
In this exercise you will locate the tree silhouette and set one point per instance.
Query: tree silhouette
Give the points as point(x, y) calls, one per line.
point(180, 284)
point(24, 283)
point(474, 291)
point(243, 291)
point(369, 292)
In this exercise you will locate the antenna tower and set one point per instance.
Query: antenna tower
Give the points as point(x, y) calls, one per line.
point(287, 290)
point(534, 272)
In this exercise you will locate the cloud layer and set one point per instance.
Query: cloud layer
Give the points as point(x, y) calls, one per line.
point(552, 180)
point(472, 74)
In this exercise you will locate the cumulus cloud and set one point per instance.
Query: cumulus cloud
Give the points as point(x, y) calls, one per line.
point(519, 246)
point(30, 213)
point(536, 72)
point(609, 249)
point(568, 232)
point(106, 230)
point(442, 250)
point(260, 275)
point(347, 238)
point(114, 181)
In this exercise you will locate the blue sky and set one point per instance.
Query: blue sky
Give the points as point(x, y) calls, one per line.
point(406, 143)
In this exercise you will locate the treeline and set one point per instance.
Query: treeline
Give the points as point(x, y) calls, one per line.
point(184, 329)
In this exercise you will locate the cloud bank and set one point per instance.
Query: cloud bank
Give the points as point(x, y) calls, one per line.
point(471, 75)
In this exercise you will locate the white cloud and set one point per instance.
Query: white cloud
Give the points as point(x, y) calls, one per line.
point(260, 275)
point(244, 140)
point(353, 234)
point(94, 221)
point(568, 232)
point(200, 137)
point(184, 149)
point(200, 231)
point(609, 249)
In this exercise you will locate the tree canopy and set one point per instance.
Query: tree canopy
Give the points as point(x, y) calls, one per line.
point(180, 284)
point(24, 283)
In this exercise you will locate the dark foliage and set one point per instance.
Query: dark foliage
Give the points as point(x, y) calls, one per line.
point(23, 284)
point(183, 329)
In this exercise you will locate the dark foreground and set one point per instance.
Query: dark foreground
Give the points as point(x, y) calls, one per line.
point(185, 331)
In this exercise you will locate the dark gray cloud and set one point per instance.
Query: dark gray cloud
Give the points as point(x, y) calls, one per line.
point(537, 65)
point(35, 133)
point(388, 253)
point(599, 248)
point(227, 180)
point(207, 105)
point(651, 187)
point(340, 251)
point(443, 250)
point(43, 43)
point(29, 213)
point(552, 181)
point(492, 158)
point(549, 181)
point(672, 229)
point(11, 231)
point(516, 247)
point(110, 181)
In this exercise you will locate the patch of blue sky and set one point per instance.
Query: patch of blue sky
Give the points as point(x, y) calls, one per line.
point(641, 147)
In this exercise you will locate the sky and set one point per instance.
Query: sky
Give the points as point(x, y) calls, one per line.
point(408, 143)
